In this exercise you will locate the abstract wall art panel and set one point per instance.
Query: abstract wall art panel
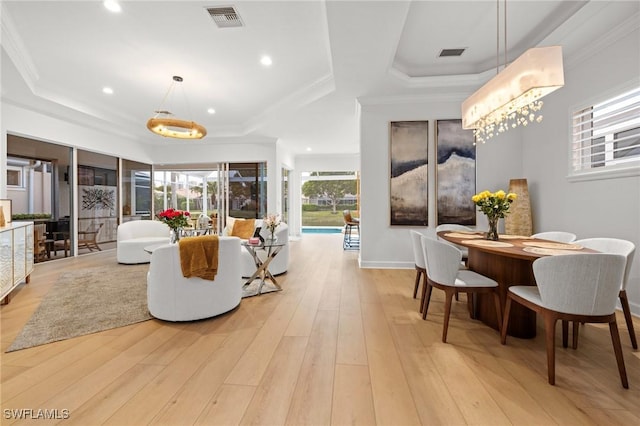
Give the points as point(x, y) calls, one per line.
point(456, 173)
point(408, 181)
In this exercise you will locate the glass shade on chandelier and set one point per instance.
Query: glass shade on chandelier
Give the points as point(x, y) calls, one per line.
point(512, 97)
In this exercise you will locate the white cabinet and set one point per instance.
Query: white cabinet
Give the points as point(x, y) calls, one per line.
point(16, 256)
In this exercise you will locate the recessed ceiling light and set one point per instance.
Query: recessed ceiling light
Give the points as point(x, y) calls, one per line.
point(308, 148)
point(266, 61)
point(107, 90)
point(211, 111)
point(112, 6)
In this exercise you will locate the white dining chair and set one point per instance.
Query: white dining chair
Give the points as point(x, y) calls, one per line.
point(419, 262)
point(456, 228)
point(575, 287)
point(442, 262)
point(626, 249)
point(559, 236)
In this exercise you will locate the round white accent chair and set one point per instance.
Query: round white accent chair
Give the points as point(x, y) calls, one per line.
point(133, 237)
point(172, 297)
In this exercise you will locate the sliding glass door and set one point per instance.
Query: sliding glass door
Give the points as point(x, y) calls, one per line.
point(136, 191)
point(217, 190)
point(39, 184)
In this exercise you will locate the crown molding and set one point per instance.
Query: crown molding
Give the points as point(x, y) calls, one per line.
point(458, 80)
point(629, 25)
point(14, 46)
point(403, 99)
point(314, 91)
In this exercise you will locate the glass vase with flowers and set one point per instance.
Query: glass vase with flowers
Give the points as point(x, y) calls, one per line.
point(494, 205)
point(271, 222)
point(176, 220)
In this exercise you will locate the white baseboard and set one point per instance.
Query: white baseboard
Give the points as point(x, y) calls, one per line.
point(386, 265)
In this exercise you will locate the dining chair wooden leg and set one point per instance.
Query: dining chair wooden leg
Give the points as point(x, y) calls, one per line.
point(423, 297)
point(496, 301)
point(617, 348)
point(417, 283)
point(565, 333)
point(427, 298)
point(448, 294)
point(505, 321)
point(624, 301)
point(574, 334)
point(457, 298)
point(550, 337)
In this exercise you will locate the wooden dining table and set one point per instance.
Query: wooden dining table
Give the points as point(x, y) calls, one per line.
point(508, 261)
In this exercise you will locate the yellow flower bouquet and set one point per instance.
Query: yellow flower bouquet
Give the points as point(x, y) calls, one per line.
point(495, 205)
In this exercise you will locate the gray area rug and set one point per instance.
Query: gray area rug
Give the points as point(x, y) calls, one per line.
point(87, 301)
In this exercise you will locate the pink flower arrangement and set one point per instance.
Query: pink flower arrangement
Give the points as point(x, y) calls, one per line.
point(174, 218)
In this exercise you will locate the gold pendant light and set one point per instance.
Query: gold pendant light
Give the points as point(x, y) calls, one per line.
point(173, 127)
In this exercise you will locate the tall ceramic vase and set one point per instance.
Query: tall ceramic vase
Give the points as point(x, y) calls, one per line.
point(518, 220)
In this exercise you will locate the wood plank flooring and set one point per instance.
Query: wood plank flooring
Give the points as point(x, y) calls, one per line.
point(339, 345)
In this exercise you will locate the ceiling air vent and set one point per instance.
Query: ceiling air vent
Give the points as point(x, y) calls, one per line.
point(225, 17)
point(450, 52)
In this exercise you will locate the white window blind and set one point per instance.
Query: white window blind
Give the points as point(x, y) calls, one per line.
point(607, 135)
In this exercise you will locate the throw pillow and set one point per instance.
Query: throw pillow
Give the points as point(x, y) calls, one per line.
point(243, 228)
point(229, 227)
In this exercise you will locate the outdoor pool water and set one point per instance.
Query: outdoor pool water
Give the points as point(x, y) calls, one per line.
point(321, 230)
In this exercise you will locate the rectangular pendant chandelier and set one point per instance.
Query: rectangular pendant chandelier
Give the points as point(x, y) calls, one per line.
point(511, 98)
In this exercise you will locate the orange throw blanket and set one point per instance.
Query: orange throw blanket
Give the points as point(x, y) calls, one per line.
point(199, 256)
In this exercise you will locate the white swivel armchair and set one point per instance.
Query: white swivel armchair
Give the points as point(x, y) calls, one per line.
point(172, 297)
point(134, 236)
point(575, 287)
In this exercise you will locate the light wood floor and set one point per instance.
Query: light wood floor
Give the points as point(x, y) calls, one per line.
point(340, 345)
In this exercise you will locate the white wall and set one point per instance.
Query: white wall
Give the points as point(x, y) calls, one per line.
point(385, 246)
point(595, 208)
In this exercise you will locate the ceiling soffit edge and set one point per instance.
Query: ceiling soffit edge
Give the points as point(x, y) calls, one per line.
point(304, 96)
point(612, 36)
point(403, 99)
point(92, 124)
point(14, 46)
point(459, 80)
point(314, 91)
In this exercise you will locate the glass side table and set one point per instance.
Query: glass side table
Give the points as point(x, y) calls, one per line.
point(262, 273)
